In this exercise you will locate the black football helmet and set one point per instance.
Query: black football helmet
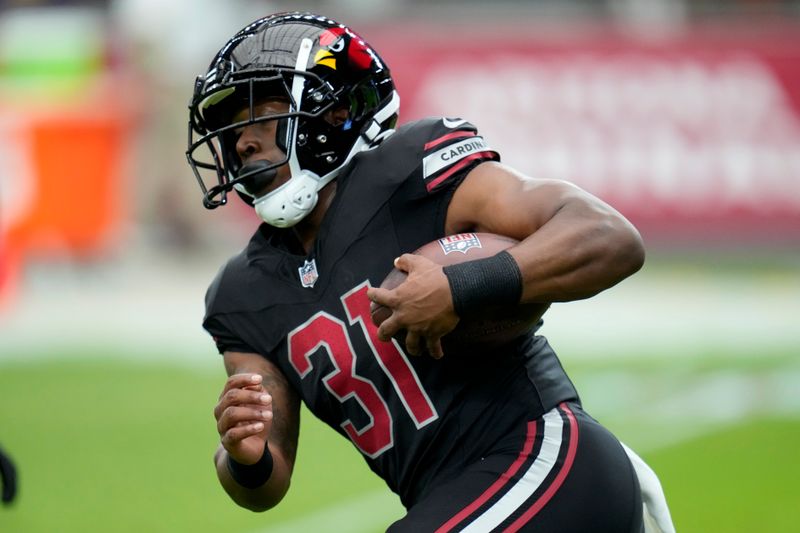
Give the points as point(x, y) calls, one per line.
point(316, 65)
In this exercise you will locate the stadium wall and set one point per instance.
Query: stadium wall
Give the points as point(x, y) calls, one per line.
point(694, 135)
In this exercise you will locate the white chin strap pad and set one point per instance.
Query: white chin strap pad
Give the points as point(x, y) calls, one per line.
point(291, 202)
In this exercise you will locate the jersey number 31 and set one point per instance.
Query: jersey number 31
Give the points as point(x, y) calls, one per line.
point(329, 333)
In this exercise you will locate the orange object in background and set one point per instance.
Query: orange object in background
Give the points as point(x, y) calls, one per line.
point(73, 170)
point(75, 167)
point(65, 109)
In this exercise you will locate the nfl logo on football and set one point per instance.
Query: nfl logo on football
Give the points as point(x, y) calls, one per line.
point(308, 273)
point(459, 243)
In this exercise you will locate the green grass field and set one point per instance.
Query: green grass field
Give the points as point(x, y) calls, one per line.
point(109, 445)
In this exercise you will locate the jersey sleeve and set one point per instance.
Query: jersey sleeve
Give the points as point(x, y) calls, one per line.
point(443, 152)
point(224, 337)
point(221, 325)
point(452, 148)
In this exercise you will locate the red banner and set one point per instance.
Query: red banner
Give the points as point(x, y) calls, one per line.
point(694, 137)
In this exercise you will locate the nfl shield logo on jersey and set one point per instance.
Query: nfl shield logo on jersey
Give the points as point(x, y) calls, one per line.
point(459, 243)
point(308, 273)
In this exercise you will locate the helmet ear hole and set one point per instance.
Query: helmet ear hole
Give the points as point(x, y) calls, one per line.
point(338, 117)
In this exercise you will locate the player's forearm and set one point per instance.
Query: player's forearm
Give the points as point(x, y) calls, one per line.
point(261, 498)
point(585, 248)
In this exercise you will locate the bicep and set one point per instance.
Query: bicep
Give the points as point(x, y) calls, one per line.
point(495, 198)
point(285, 401)
point(573, 245)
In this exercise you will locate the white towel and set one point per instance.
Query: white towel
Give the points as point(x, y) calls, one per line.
point(656, 512)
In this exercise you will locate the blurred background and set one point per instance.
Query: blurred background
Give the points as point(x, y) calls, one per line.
point(682, 114)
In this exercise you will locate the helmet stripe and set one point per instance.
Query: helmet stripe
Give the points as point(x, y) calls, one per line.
point(298, 81)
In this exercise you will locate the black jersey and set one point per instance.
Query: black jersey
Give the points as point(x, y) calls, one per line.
point(415, 419)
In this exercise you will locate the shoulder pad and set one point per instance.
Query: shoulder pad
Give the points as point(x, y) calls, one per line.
point(450, 146)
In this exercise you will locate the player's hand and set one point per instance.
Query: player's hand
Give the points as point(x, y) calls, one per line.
point(422, 305)
point(244, 417)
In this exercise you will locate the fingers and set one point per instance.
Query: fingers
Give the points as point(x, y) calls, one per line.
point(386, 298)
point(381, 296)
point(434, 346)
point(389, 328)
point(414, 310)
point(238, 433)
point(239, 381)
point(247, 419)
point(412, 343)
point(407, 262)
point(238, 407)
point(243, 397)
point(244, 417)
point(393, 325)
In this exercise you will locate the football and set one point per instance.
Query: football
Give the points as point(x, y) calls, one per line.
point(496, 325)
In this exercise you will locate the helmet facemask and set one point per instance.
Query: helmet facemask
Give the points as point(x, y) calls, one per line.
point(213, 155)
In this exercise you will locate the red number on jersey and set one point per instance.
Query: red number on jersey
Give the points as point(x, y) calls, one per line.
point(325, 331)
point(391, 358)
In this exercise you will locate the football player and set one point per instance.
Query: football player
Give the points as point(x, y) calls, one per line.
point(8, 476)
point(298, 116)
